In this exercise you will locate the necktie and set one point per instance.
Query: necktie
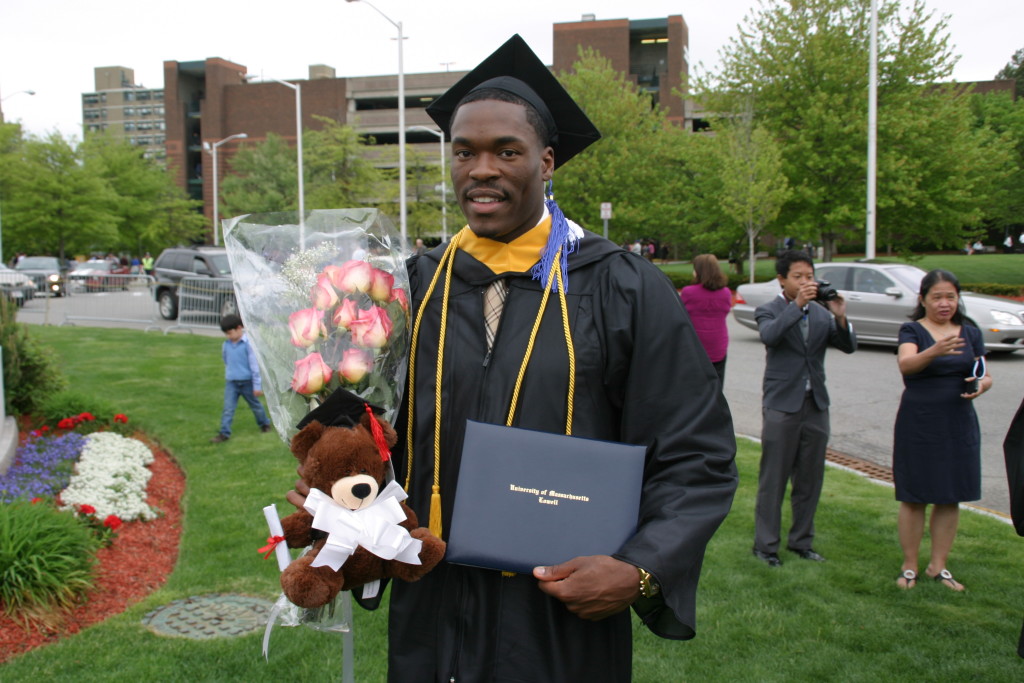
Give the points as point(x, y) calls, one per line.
point(494, 301)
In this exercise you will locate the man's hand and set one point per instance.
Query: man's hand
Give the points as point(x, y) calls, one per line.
point(838, 308)
point(257, 392)
point(805, 295)
point(592, 587)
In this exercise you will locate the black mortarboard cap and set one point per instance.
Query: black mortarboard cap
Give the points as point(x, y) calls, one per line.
point(341, 409)
point(514, 67)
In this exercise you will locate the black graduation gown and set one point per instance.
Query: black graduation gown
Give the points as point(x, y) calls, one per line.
point(641, 377)
point(1013, 452)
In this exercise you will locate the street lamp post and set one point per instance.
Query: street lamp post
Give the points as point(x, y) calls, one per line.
point(216, 198)
point(444, 185)
point(401, 123)
point(20, 92)
point(870, 236)
point(298, 142)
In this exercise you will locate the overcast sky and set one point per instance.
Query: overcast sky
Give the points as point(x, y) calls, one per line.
point(52, 46)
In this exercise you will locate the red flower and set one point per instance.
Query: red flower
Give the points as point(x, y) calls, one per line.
point(86, 417)
point(122, 418)
point(44, 428)
point(35, 500)
point(87, 509)
point(66, 423)
point(113, 522)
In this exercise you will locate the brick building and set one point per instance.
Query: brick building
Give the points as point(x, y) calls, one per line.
point(207, 101)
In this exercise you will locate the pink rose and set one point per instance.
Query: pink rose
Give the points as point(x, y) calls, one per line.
point(354, 365)
point(381, 283)
point(345, 314)
point(372, 329)
point(311, 374)
point(401, 297)
point(306, 326)
point(323, 295)
point(351, 276)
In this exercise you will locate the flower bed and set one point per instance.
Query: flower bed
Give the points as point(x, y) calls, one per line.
point(124, 490)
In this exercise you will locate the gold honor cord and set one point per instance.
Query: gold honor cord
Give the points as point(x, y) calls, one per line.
point(446, 263)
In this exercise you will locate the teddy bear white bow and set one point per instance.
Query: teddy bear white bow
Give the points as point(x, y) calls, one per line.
point(375, 527)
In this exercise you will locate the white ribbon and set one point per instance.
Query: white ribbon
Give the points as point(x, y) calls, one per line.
point(375, 527)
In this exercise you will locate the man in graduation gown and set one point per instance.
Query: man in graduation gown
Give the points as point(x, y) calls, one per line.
point(641, 377)
point(1013, 452)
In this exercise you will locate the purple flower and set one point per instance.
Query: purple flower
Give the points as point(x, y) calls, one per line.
point(42, 467)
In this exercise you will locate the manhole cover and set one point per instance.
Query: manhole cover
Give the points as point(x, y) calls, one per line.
point(218, 615)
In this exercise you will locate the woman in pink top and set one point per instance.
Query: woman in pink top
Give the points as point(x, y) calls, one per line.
point(708, 301)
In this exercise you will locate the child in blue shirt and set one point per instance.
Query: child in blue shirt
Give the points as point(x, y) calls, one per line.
point(242, 377)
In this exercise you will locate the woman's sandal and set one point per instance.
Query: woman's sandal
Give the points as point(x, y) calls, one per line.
point(909, 577)
point(946, 577)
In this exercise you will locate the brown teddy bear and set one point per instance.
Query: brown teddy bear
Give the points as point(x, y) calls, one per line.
point(355, 520)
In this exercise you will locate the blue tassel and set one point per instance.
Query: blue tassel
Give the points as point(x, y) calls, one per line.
point(561, 236)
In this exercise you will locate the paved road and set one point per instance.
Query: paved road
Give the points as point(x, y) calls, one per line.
point(132, 309)
point(865, 389)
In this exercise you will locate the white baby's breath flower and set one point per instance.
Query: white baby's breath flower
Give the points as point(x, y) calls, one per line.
point(111, 475)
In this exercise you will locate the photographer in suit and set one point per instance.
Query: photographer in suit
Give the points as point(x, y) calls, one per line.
point(796, 328)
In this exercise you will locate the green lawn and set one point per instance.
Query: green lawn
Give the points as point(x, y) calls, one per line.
point(990, 268)
point(842, 620)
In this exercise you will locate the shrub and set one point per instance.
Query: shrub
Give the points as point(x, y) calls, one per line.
point(47, 558)
point(994, 289)
point(64, 404)
point(31, 371)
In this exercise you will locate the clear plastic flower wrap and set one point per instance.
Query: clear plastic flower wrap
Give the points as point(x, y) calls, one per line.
point(325, 303)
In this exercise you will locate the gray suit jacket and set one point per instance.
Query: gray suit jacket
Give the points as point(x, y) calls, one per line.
point(790, 359)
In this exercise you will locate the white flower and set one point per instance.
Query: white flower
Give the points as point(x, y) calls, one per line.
point(111, 475)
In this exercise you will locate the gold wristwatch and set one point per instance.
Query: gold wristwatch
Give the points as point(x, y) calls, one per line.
point(648, 587)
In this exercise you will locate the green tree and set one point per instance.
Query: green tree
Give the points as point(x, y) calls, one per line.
point(338, 170)
point(424, 197)
point(803, 63)
point(1003, 117)
point(1015, 69)
point(55, 204)
point(637, 165)
point(153, 211)
point(754, 188)
point(262, 179)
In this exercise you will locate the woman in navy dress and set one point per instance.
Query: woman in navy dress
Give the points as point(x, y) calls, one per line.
point(937, 444)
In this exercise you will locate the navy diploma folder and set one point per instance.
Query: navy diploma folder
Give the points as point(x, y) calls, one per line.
point(528, 498)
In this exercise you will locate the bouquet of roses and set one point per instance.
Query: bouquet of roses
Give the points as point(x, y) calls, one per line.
point(325, 304)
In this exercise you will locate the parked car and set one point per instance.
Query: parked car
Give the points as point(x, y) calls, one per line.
point(177, 263)
point(94, 275)
point(48, 272)
point(881, 296)
point(17, 287)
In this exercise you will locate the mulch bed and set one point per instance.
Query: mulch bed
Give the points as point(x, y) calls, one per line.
point(138, 562)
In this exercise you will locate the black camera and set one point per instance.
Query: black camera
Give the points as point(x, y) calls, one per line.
point(826, 292)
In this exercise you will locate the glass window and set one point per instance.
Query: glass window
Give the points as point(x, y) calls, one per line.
point(837, 275)
point(870, 281)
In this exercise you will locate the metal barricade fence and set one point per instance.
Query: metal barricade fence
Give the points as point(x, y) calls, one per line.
point(203, 301)
point(110, 298)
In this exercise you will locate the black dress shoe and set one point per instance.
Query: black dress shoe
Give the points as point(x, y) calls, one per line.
point(771, 559)
point(807, 554)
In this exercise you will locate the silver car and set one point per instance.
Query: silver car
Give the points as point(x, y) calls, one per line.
point(881, 296)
